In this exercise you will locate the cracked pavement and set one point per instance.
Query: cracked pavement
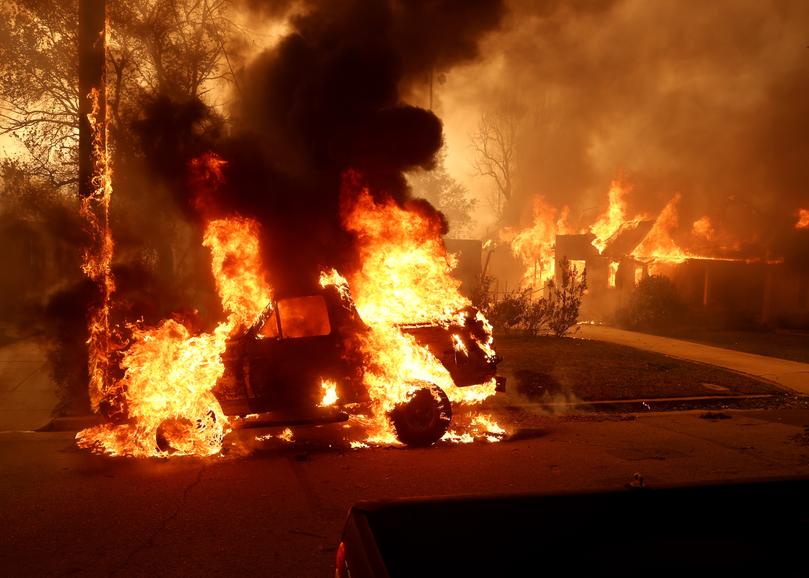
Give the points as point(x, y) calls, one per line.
point(279, 511)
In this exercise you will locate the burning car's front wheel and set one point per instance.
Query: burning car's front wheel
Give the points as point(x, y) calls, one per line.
point(424, 418)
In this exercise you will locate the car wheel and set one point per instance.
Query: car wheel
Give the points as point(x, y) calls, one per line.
point(176, 434)
point(170, 431)
point(424, 418)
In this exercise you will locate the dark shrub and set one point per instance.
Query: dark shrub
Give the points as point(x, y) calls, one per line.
point(654, 304)
point(508, 312)
point(564, 300)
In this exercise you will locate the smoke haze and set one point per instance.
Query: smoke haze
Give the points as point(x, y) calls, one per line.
point(708, 99)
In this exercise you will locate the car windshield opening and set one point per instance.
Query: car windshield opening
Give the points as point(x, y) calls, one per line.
point(304, 317)
point(270, 328)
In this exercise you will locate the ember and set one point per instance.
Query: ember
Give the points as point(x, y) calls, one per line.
point(803, 219)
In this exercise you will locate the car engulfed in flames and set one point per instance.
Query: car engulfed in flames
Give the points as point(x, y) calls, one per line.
point(301, 363)
point(395, 345)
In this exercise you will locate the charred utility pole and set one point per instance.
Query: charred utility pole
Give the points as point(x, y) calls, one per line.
point(92, 80)
point(95, 191)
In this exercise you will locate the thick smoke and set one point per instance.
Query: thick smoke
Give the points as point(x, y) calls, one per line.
point(708, 99)
point(329, 98)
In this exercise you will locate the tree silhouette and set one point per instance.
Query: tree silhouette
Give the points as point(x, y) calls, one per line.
point(494, 145)
point(172, 47)
point(446, 194)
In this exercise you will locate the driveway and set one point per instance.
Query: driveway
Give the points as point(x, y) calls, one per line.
point(788, 374)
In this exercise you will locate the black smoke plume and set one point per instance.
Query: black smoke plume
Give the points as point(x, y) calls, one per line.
point(328, 99)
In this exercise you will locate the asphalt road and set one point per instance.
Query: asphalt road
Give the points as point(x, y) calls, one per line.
point(279, 511)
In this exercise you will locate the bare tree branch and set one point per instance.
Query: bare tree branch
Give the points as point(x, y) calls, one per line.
point(494, 145)
point(173, 47)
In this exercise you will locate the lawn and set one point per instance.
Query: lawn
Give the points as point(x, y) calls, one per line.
point(546, 367)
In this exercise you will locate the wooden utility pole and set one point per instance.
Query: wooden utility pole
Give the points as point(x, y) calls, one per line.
point(95, 190)
point(92, 80)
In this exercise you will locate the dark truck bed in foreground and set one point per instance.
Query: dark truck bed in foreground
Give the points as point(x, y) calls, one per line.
point(759, 529)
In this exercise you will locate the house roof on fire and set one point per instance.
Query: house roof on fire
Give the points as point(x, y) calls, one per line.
point(629, 236)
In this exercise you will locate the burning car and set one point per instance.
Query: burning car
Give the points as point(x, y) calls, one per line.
point(302, 362)
point(396, 358)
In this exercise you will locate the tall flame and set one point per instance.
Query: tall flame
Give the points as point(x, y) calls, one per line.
point(97, 258)
point(534, 246)
point(612, 219)
point(406, 271)
point(169, 374)
point(404, 278)
point(658, 246)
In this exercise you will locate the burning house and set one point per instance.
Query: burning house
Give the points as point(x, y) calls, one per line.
point(611, 274)
point(618, 250)
point(751, 291)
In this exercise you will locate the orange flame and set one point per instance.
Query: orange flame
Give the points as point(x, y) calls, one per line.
point(97, 258)
point(406, 272)
point(169, 374)
point(612, 219)
point(613, 273)
point(703, 227)
point(329, 388)
point(658, 244)
point(404, 278)
point(237, 269)
point(534, 246)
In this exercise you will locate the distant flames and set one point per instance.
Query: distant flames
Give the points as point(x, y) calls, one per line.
point(658, 246)
point(614, 218)
point(535, 245)
point(703, 227)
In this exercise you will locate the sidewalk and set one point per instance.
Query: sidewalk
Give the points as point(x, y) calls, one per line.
point(789, 374)
point(27, 395)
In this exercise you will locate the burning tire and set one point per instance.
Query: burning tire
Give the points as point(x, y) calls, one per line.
point(171, 430)
point(424, 418)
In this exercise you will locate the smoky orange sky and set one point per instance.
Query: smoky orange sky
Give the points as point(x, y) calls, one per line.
point(708, 99)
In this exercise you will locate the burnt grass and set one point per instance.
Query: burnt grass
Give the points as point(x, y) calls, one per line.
point(547, 369)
